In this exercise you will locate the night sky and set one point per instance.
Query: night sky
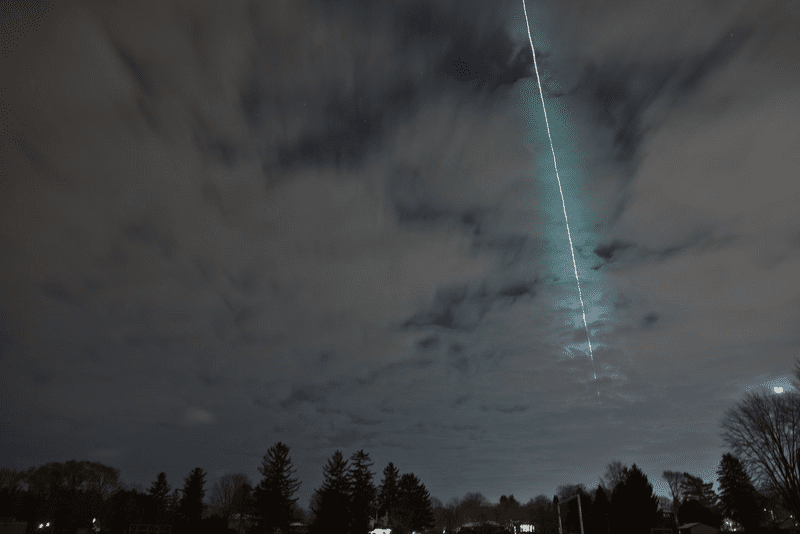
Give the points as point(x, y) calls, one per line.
point(337, 224)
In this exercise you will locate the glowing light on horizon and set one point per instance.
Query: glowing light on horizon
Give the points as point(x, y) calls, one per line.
point(563, 204)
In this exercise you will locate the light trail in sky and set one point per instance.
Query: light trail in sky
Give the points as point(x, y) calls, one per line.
point(563, 204)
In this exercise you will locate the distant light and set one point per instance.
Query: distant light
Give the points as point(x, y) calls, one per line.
point(47, 525)
point(93, 520)
point(777, 389)
point(41, 525)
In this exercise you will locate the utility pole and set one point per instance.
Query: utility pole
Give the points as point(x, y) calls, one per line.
point(580, 512)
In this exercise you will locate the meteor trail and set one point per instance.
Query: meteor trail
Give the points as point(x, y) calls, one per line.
point(569, 235)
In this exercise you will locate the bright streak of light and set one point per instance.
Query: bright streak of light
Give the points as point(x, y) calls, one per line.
point(563, 205)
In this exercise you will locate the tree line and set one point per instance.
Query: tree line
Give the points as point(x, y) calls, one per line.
point(759, 481)
point(81, 495)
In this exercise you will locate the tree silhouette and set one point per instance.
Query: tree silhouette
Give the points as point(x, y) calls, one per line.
point(509, 509)
point(570, 513)
point(362, 493)
point(613, 475)
point(738, 496)
point(224, 492)
point(414, 510)
point(693, 487)
point(598, 517)
point(387, 495)
point(331, 500)
point(191, 506)
point(762, 430)
point(242, 505)
point(634, 506)
point(675, 480)
point(274, 495)
point(160, 494)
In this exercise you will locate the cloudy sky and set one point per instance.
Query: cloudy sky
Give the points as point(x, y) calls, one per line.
point(337, 224)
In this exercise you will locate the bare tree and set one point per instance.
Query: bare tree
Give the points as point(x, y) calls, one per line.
point(675, 481)
point(11, 478)
point(568, 490)
point(612, 476)
point(796, 372)
point(224, 490)
point(763, 431)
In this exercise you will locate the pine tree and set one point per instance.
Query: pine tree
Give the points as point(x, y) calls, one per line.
point(738, 496)
point(599, 512)
point(634, 505)
point(387, 496)
point(693, 488)
point(191, 507)
point(274, 500)
point(172, 505)
point(159, 491)
point(414, 510)
point(331, 500)
point(363, 492)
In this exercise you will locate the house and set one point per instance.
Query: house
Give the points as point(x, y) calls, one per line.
point(523, 527)
point(697, 528)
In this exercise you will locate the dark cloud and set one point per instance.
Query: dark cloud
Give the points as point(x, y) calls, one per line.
point(518, 290)
point(516, 408)
point(609, 251)
point(463, 309)
point(302, 395)
point(217, 148)
point(428, 342)
point(56, 291)
point(650, 319)
point(145, 233)
point(474, 54)
point(136, 69)
point(349, 131)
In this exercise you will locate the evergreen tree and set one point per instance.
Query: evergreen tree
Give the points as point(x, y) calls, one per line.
point(159, 491)
point(508, 508)
point(191, 506)
point(634, 505)
point(363, 492)
point(414, 511)
point(738, 496)
point(387, 496)
point(599, 512)
point(693, 488)
point(274, 500)
point(172, 505)
point(331, 500)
